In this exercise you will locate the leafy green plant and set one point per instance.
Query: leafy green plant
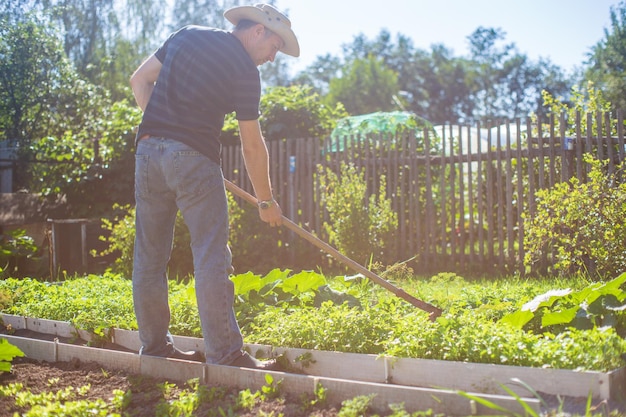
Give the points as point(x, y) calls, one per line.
point(597, 305)
point(295, 111)
point(121, 241)
point(15, 245)
point(357, 406)
point(528, 410)
point(320, 395)
point(7, 353)
point(580, 224)
point(271, 389)
point(288, 315)
point(358, 226)
point(65, 402)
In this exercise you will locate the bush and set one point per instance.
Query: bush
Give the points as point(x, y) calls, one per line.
point(359, 227)
point(15, 248)
point(256, 247)
point(581, 225)
point(121, 241)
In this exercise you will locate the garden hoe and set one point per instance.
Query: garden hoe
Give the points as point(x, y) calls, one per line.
point(434, 311)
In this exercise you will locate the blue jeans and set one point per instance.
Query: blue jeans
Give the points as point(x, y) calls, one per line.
point(170, 176)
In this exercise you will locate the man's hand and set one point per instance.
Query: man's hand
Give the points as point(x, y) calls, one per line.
point(272, 215)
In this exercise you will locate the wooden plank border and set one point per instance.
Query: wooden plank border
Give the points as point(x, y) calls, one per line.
point(338, 390)
point(427, 373)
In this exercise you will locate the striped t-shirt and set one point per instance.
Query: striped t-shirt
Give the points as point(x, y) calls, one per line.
point(206, 74)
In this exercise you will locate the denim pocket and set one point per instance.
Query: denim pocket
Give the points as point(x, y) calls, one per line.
point(196, 174)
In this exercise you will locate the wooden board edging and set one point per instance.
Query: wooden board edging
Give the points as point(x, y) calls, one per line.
point(425, 373)
point(413, 399)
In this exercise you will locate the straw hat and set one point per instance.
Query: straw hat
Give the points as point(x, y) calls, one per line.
point(272, 19)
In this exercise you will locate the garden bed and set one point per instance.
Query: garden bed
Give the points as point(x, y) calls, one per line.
point(419, 384)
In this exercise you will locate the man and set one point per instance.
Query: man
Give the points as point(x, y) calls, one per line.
point(185, 90)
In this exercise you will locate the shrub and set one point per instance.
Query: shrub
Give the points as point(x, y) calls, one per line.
point(581, 224)
point(15, 246)
point(359, 227)
point(256, 247)
point(121, 241)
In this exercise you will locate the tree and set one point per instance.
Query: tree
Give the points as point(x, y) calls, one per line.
point(504, 83)
point(440, 93)
point(86, 24)
point(366, 86)
point(291, 112)
point(607, 61)
point(28, 76)
point(196, 12)
point(70, 139)
point(320, 72)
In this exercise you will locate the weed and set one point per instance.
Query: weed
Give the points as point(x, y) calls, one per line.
point(357, 406)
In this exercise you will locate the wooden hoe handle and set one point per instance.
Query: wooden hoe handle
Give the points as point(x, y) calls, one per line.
point(434, 311)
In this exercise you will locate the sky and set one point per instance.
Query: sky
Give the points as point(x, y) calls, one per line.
point(562, 31)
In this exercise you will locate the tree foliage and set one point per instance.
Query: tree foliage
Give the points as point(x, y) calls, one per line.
point(291, 112)
point(505, 83)
point(494, 81)
point(367, 85)
point(608, 59)
point(33, 70)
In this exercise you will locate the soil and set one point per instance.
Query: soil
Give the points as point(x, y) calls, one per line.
point(146, 392)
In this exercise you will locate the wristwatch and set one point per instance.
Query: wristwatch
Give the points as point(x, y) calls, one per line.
point(263, 205)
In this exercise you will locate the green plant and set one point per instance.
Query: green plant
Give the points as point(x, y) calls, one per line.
point(470, 330)
point(358, 226)
point(597, 305)
point(528, 410)
point(357, 406)
point(65, 402)
point(271, 389)
point(250, 240)
point(295, 111)
point(121, 241)
point(247, 399)
point(15, 245)
point(580, 224)
point(7, 353)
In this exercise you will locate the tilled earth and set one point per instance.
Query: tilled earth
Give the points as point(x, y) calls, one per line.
point(146, 393)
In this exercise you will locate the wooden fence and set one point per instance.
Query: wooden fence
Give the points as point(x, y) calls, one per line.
point(459, 191)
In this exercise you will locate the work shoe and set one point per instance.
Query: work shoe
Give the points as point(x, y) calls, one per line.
point(189, 355)
point(247, 361)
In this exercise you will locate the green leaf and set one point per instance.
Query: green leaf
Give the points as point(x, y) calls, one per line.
point(559, 317)
point(483, 401)
point(546, 300)
point(244, 283)
point(518, 319)
point(525, 406)
point(7, 353)
point(303, 282)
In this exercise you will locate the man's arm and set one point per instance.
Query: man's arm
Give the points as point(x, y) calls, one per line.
point(256, 159)
point(142, 81)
